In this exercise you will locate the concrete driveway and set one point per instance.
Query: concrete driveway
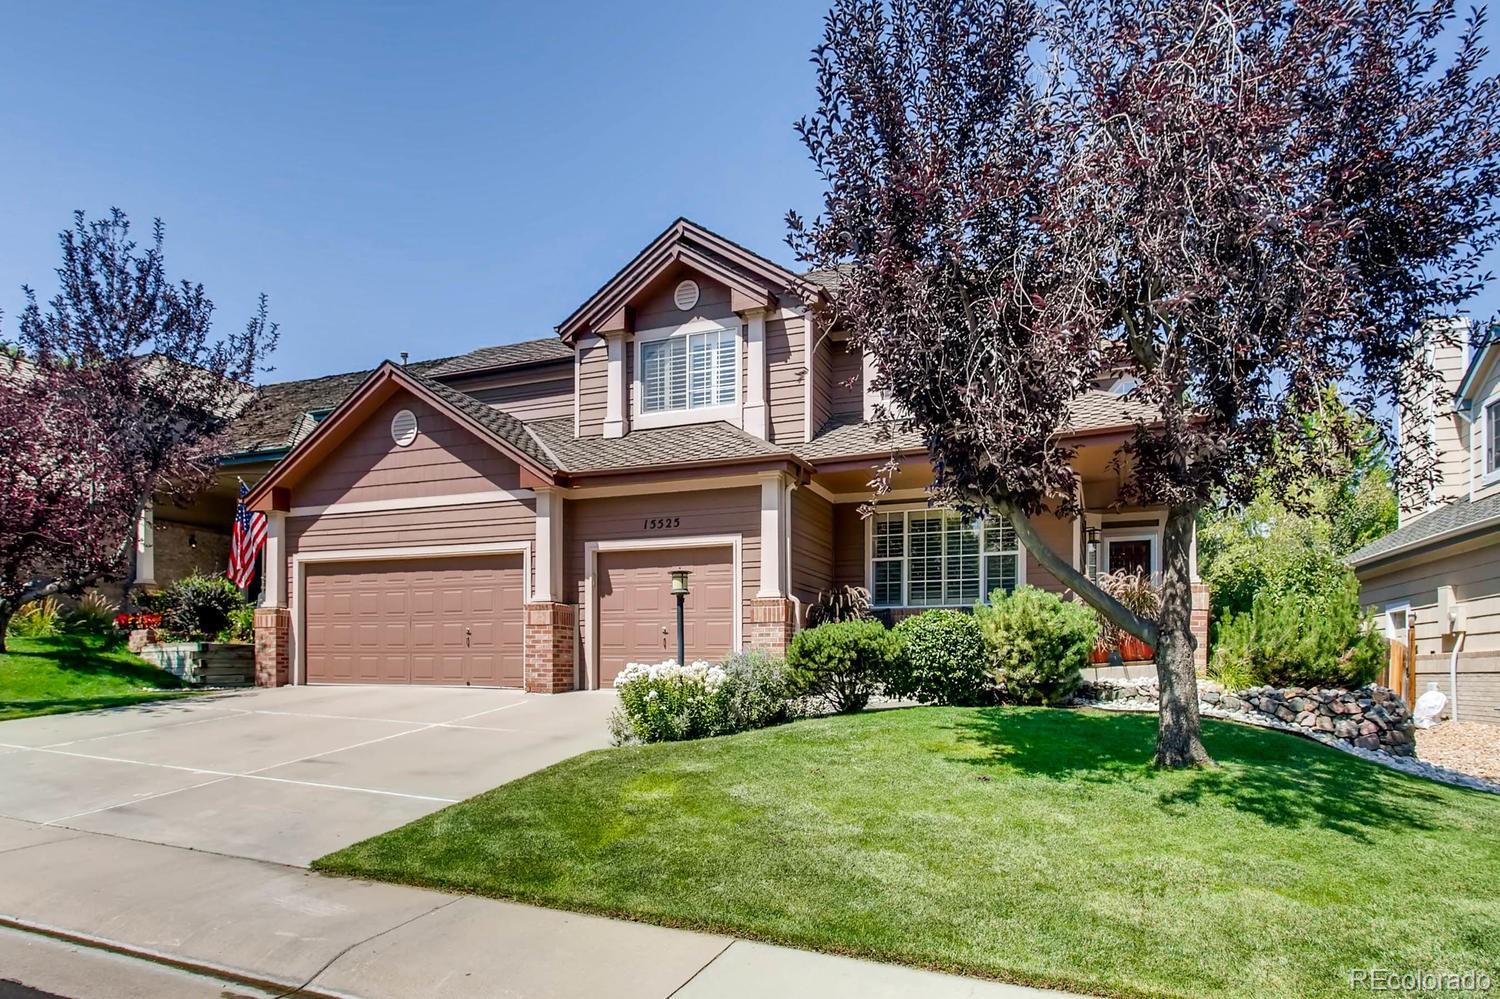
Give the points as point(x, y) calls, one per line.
point(285, 774)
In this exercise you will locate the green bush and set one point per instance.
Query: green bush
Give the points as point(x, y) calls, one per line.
point(93, 615)
point(759, 690)
point(942, 659)
point(241, 627)
point(198, 608)
point(1295, 639)
point(665, 702)
point(841, 665)
point(1039, 642)
point(36, 619)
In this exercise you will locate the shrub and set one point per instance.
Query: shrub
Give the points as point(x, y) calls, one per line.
point(197, 607)
point(1039, 643)
point(1292, 639)
point(667, 702)
point(759, 690)
point(37, 619)
point(241, 626)
point(942, 659)
point(841, 603)
point(842, 664)
point(94, 615)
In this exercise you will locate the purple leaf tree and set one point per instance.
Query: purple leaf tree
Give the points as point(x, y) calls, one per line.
point(1237, 203)
point(114, 393)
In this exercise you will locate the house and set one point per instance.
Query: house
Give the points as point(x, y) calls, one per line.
point(511, 516)
point(1438, 573)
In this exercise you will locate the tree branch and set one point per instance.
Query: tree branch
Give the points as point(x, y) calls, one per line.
point(1090, 591)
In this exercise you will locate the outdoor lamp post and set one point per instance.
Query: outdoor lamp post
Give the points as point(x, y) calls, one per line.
point(680, 591)
point(1091, 556)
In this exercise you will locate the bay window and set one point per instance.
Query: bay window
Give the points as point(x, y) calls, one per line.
point(689, 371)
point(935, 558)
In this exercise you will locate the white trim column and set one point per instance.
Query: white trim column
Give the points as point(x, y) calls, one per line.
point(757, 410)
point(809, 351)
point(145, 546)
point(615, 392)
point(549, 546)
point(774, 535)
point(273, 562)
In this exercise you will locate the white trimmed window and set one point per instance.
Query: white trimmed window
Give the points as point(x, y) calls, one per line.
point(689, 371)
point(935, 558)
point(1492, 439)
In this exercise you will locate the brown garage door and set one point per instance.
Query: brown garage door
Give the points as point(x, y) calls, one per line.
point(638, 614)
point(437, 620)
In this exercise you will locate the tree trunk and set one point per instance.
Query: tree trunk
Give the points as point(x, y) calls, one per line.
point(5, 616)
point(1179, 729)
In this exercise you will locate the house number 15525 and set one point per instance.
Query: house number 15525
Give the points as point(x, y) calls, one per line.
point(661, 523)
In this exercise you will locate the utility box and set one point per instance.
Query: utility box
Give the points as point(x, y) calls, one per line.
point(1450, 611)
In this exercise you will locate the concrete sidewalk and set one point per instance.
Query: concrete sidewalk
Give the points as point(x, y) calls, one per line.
point(291, 929)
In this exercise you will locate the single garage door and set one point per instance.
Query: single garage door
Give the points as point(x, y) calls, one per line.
point(435, 620)
point(638, 614)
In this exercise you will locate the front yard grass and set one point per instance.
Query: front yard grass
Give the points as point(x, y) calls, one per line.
point(45, 676)
point(1031, 845)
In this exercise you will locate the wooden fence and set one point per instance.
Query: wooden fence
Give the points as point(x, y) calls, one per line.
point(1401, 670)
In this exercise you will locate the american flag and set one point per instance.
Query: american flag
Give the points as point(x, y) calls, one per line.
point(249, 536)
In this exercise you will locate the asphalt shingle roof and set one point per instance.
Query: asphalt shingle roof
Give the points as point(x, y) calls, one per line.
point(705, 442)
point(505, 355)
point(1450, 517)
point(498, 422)
point(279, 416)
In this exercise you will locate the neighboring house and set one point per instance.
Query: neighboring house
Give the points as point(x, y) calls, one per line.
point(1439, 571)
point(511, 516)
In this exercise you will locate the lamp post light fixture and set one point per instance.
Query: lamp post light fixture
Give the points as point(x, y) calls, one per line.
point(680, 591)
point(1091, 557)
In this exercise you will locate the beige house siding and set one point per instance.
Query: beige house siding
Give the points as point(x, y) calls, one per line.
point(1059, 536)
point(1485, 391)
point(696, 513)
point(785, 375)
point(657, 310)
point(812, 566)
point(444, 459)
point(1474, 573)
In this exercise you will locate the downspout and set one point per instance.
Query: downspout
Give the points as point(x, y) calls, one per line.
point(1458, 641)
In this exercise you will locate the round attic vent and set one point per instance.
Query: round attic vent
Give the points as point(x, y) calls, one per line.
point(404, 428)
point(686, 295)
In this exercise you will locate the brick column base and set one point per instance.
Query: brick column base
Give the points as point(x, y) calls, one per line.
point(773, 621)
point(273, 647)
point(551, 630)
point(1200, 626)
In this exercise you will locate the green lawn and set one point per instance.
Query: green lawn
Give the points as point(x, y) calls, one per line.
point(45, 676)
point(1030, 845)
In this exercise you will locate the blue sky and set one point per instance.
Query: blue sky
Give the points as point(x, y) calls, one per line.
point(427, 178)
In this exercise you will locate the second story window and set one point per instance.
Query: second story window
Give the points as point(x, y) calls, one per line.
point(1492, 438)
point(689, 371)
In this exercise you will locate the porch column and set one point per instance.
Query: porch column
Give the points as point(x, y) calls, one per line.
point(548, 546)
point(809, 352)
point(273, 562)
point(756, 418)
point(551, 627)
point(772, 617)
point(145, 546)
point(615, 392)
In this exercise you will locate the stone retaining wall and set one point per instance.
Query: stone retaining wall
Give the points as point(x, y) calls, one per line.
point(1370, 718)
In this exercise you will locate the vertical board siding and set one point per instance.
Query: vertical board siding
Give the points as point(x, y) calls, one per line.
point(785, 378)
point(444, 459)
point(812, 545)
point(697, 513)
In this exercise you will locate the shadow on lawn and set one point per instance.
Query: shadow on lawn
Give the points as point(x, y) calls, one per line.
point(100, 657)
point(1283, 780)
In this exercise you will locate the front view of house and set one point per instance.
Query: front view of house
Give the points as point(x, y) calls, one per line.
point(511, 517)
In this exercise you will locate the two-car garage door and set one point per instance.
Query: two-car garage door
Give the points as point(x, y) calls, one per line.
point(436, 620)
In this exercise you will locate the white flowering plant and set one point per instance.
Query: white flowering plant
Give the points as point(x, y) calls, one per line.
point(667, 702)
